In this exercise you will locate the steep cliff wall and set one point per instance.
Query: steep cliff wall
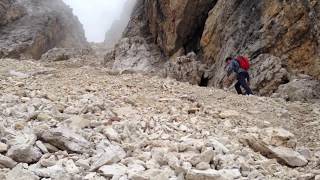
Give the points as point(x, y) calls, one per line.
point(177, 24)
point(280, 37)
point(114, 34)
point(169, 28)
point(285, 30)
point(28, 28)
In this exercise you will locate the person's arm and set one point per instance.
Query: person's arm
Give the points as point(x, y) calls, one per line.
point(230, 69)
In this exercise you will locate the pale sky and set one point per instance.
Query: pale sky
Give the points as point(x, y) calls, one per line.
point(96, 15)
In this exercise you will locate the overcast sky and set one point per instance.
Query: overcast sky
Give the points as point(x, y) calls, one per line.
point(96, 15)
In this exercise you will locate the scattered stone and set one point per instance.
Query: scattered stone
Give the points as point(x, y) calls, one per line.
point(50, 148)
point(43, 117)
point(306, 153)
point(289, 157)
point(153, 164)
point(317, 177)
point(64, 139)
point(18, 74)
point(113, 171)
point(317, 154)
point(230, 173)
point(282, 153)
point(174, 162)
point(111, 134)
point(207, 155)
point(3, 147)
point(42, 147)
point(7, 162)
point(23, 150)
point(77, 122)
point(279, 137)
point(71, 110)
point(55, 172)
point(51, 161)
point(193, 110)
point(135, 168)
point(229, 114)
point(94, 176)
point(203, 174)
point(306, 177)
point(203, 166)
point(83, 163)
point(218, 147)
point(186, 166)
point(158, 154)
point(21, 173)
point(112, 154)
point(71, 167)
point(156, 137)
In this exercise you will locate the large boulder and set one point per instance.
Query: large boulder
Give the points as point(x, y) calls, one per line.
point(299, 89)
point(23, 149)
point(30, 27)
point(64, 139)
point(268, 73)
point(275, 143)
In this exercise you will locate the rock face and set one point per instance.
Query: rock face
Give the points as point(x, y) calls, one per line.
point(115, 32)
point(177, 24)
point(286, 30)
point(135, 51)
point(28, 28)
point(135, 54)
point(279, 41)
point(187, 69)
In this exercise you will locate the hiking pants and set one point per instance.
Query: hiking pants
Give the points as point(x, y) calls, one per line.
point(243, 78)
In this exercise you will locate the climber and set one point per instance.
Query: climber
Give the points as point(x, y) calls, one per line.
point(240, 67)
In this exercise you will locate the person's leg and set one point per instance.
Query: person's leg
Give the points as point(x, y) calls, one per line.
point(243, 76)
point(238, 87)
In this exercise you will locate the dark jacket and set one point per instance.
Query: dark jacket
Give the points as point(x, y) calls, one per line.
point(234, 66)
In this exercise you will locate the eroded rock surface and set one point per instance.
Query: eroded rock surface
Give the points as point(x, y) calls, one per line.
point(29, 28)
point(264, 27)
point(133, 54)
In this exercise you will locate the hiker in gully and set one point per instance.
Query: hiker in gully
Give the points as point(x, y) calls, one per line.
point(240, 67)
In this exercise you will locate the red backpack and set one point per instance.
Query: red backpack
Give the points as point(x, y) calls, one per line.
point(243, 62)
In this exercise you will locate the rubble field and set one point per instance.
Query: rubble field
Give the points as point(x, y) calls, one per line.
point(71, 120)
